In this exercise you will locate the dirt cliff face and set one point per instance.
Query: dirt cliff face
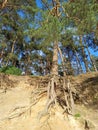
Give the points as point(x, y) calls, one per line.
point(18, 113)
point(86, 86)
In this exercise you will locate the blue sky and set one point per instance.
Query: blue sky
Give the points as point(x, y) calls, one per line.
point(38, 2)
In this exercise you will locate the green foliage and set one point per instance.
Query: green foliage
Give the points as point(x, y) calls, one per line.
point(10, 70)
point(3, 45)
point(82, 14)
point(27, 33)
point(77, 115)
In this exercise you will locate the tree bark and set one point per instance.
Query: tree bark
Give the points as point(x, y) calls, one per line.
point(3, 4)
point(12, 51)
point(59, 50)
point(94, 66)
point(84, 56)
point(77, 58)
point(70, 69)
point(54, 69)
point(1, 54)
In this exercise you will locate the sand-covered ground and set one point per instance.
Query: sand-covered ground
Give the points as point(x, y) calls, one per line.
point(16, 112)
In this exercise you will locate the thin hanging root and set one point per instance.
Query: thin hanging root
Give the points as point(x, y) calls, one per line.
point(67, 108)
point(54, 92)
point(51, 98)
point(71, 97)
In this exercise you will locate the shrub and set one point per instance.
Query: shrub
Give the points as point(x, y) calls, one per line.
point(11, 70)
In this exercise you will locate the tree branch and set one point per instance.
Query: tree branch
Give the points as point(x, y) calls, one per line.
point(75, 18)
point(3, 4)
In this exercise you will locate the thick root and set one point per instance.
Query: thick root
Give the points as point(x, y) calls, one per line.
point(58, 91)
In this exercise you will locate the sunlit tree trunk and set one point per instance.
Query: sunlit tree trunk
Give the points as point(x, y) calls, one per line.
point(3, 4)
point(54, 69)
point(60, 52)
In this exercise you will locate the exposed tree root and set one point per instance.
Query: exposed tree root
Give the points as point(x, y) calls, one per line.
point(58, 91)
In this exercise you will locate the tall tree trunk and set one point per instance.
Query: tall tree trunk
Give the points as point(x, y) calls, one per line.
point(77, 58)
point(48, 66)
point(12, 51)
point(94, 66)
point(84, 56)
point(70, 69)
point(77, 70)
point(54, 69)
point(1, 56)
point(13, 45)
point(60, 52)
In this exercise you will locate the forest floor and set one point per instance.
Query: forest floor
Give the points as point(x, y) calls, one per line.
point(16, 112)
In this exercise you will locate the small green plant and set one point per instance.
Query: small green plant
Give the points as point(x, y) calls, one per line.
point(11, 70)
point(77, 115)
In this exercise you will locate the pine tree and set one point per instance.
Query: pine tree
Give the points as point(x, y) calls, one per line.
point(15, 17)
point(83, 15)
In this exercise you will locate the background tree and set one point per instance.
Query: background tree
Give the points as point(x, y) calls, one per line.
point(84, 20)
point(15, 18)
point(60, 21)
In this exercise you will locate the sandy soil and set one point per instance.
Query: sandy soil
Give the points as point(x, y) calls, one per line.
point(15, 112)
